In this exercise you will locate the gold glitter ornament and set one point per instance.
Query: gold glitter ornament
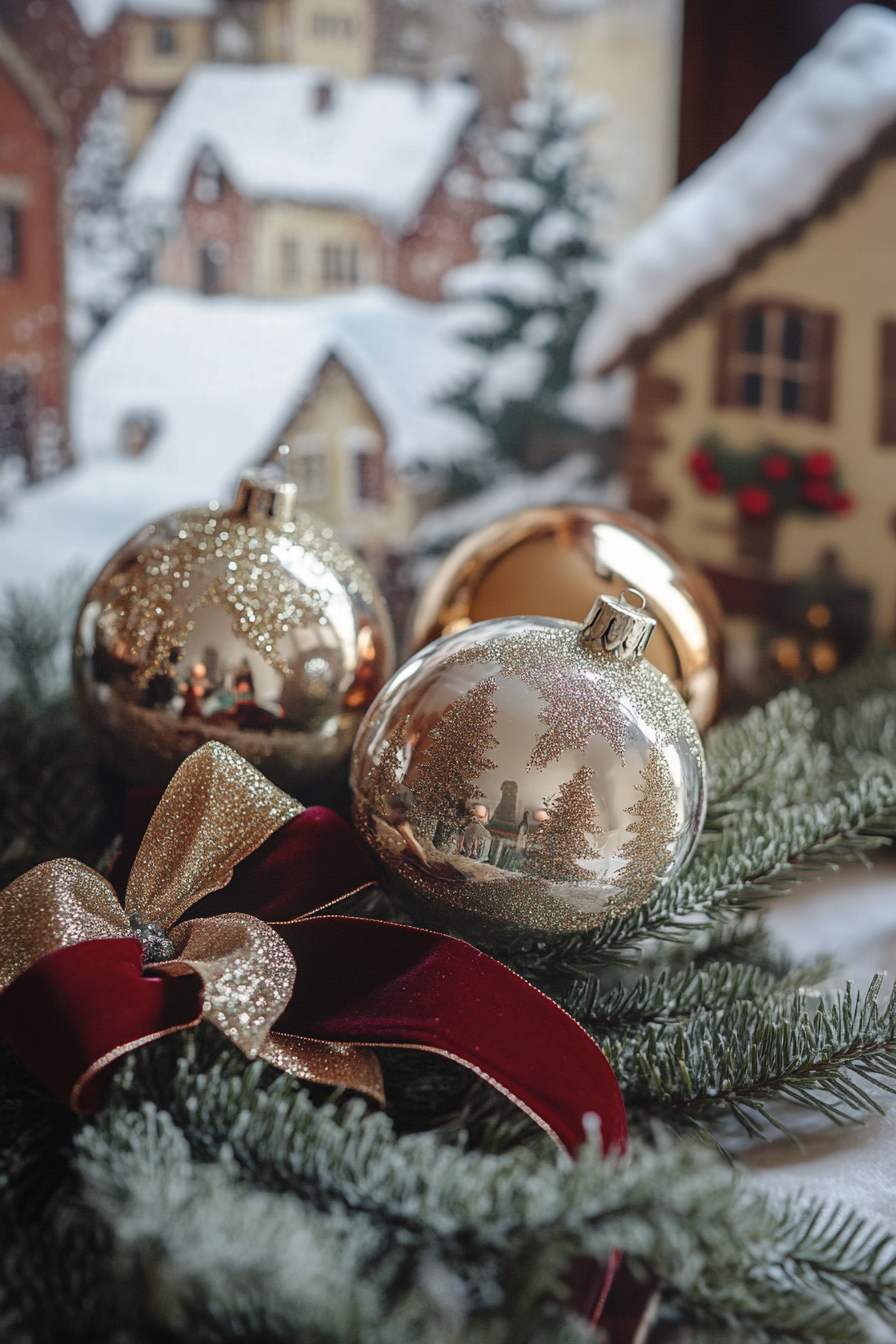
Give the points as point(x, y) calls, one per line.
point(531, 772)
point(556, 561)
point(250, 625)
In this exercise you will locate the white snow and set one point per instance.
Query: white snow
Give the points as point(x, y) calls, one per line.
point(816, 121)
point(96, 16)
point(569, 481)
point(381, 147)
point(222, 377)
point(524, 280)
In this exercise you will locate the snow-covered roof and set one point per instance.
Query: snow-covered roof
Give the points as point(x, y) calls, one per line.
point(222, 377)
point(819, 119)
point(381, 145)
point(96, 16)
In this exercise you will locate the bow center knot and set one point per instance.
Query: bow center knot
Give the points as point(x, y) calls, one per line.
point(157, 946)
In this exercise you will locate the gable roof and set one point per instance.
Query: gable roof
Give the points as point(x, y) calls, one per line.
point(223, 377)
point(96, 16)
point(381, 147)
point(773, 174)
point(31, 86)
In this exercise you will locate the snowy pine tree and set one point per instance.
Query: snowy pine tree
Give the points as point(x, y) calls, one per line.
point(537, 275)
point(653, 830)
point(445, 777)
point(109, 248)
point(572, 817)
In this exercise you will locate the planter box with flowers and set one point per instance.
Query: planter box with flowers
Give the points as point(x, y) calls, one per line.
point(768, 482)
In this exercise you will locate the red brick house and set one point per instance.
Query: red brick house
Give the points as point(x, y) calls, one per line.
point(32, 290)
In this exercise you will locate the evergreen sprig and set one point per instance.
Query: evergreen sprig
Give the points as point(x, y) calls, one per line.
point(214, 1199)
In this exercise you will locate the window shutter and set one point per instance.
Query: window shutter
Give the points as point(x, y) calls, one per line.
point(820, 398)
point(727, 385)
point(887, 425)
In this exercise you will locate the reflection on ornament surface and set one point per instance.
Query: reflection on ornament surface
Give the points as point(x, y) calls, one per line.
point(527, 771)
point(556, 561)
point(251, 626)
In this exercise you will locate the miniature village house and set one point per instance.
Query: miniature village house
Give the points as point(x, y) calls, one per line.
point(184, 386)
point(758, 308)
point(281, 181)
point(32, 289)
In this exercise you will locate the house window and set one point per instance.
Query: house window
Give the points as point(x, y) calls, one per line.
point(290, 259)
point(208, 183)
point(15, 414)
point(887, 412)
point(10, 240)
point(308, 467)
point(340, 264)
point(776, 358)
point(332, 27)
point(212, 264)
point(365, 446)
point(164, 39)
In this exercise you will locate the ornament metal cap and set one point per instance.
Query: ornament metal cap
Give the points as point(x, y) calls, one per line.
point(263, 494)
point(615, 626)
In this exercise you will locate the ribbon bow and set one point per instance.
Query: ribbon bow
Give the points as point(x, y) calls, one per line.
point(84, 980)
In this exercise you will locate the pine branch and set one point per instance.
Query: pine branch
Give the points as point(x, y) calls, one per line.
point(665, 998)
point(742, 1058)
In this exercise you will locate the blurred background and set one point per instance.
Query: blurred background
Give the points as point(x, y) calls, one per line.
point(462, 257)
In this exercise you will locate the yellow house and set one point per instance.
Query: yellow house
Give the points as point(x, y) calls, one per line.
point(336, 35)
point(759, 306)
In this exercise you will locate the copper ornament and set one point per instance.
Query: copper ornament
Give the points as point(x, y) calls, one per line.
point(531, 771)
point(250, 625)
point(556, 562)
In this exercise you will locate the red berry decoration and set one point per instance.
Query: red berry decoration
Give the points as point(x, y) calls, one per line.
point(755, 501)
point(819, 464)
point(819, 493)
point(842, 503)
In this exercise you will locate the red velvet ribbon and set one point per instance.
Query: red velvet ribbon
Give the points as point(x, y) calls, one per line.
point(78, 1009)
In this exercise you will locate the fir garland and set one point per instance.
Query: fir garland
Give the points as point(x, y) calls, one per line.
point(213, 1199)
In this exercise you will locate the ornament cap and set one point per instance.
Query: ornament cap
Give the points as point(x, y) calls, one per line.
point(614, 626)
point(264, 495)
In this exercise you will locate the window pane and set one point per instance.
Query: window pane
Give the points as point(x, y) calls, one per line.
point(163, 39)
point(752, 389)
point(754, 333)
point(792, 341)
point(9, 240)
point(790, 396)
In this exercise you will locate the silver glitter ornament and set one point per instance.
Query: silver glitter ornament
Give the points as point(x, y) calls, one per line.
point(250, 625)
point(531, 771)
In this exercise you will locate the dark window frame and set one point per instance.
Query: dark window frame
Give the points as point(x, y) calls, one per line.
point(164, 39)
point(776, 358)
point(10, 242)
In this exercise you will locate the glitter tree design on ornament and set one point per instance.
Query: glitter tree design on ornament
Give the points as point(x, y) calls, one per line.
point(387, 775)
point(654, 828)
point(445, 776)
point(577, 704)
point(563, 838)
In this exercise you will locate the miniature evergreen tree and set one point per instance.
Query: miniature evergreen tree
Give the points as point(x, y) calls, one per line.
point(445, 777)
point(109, 248)
point(654, 829)
point(537, 274)
point(572, 817)
point(388, 771)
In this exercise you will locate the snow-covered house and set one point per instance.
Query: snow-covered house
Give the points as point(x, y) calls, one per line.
point(758, 306)
point(180, 392)
point(146, 47)
point(284, 181)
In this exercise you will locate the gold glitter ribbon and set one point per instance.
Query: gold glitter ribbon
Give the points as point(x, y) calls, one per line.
point(215, 812)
